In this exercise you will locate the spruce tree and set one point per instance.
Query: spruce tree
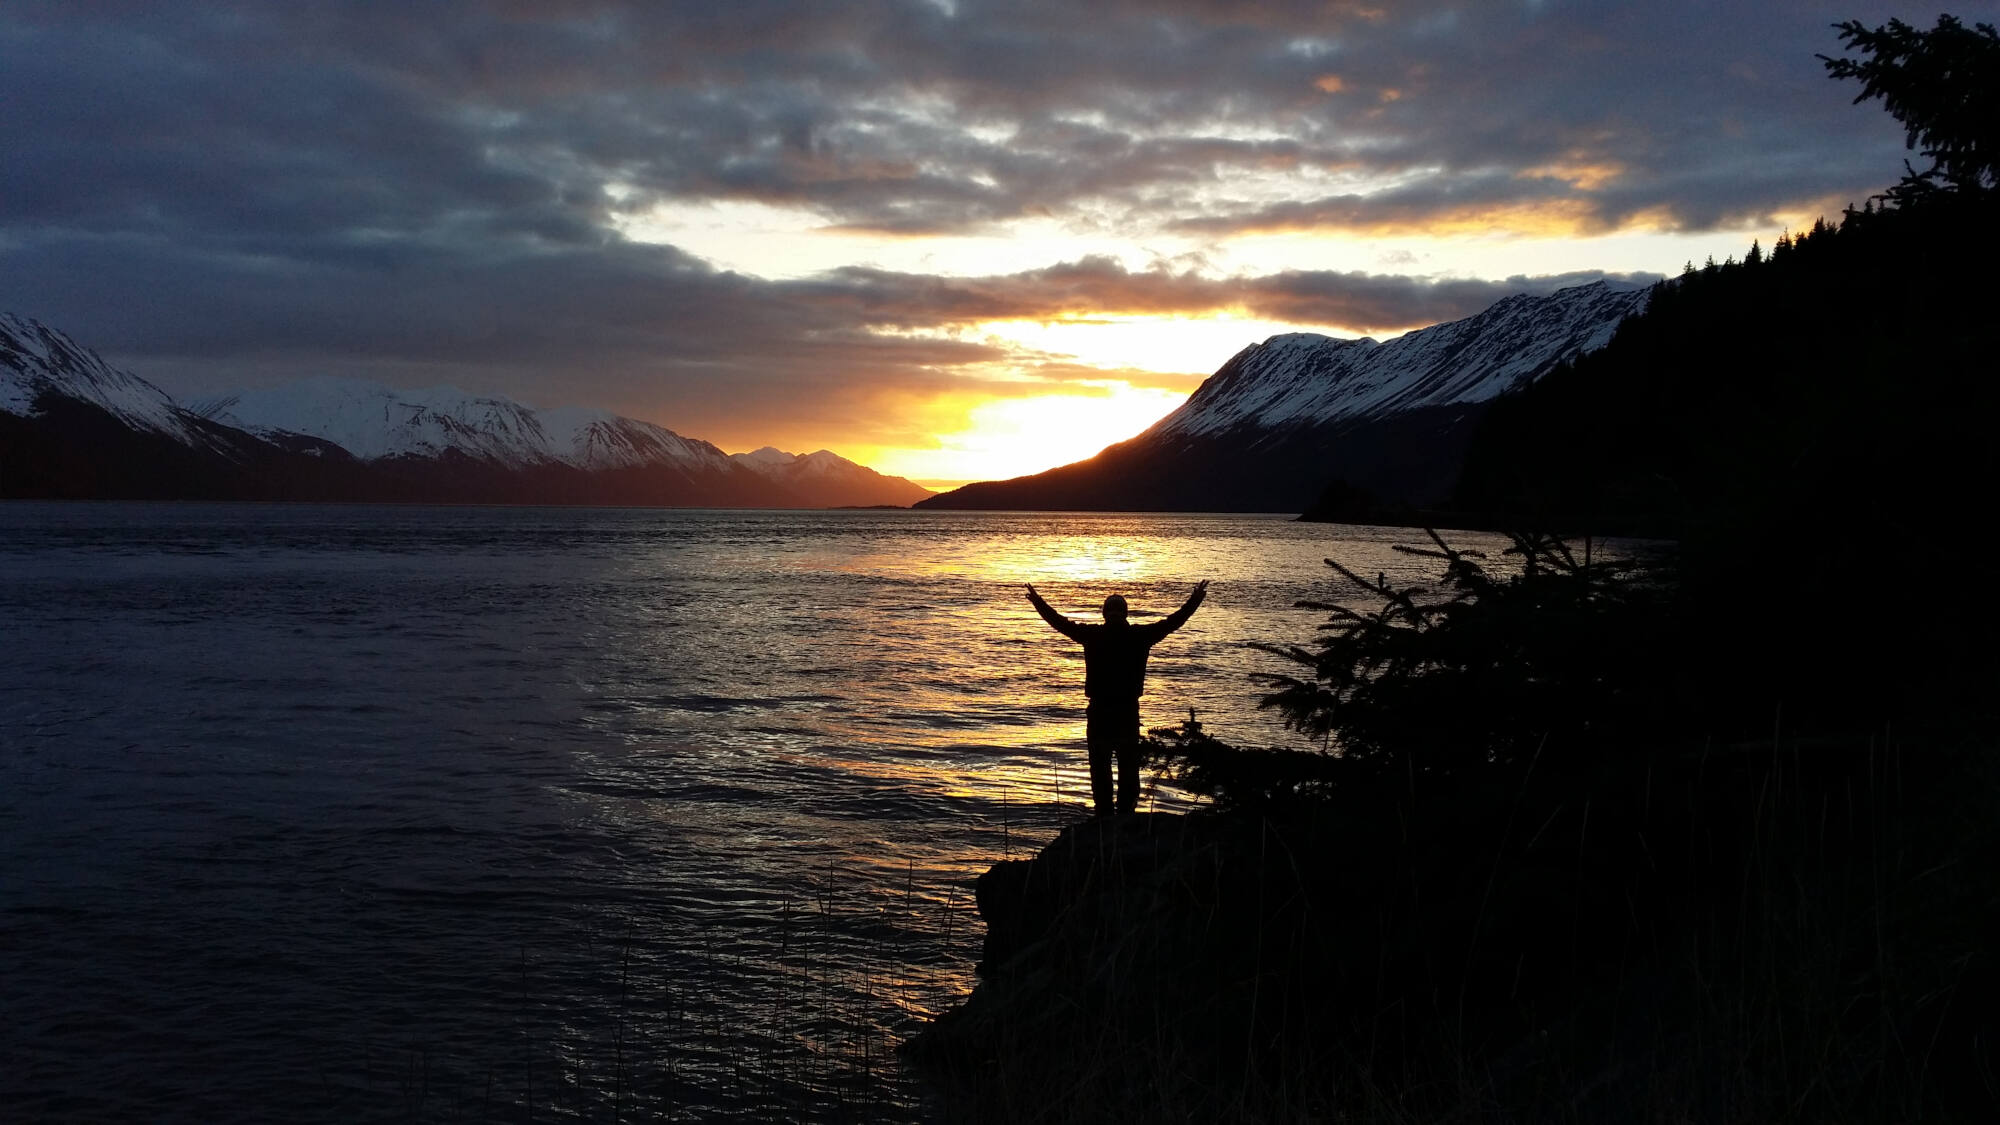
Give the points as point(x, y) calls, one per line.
point(1943, 85)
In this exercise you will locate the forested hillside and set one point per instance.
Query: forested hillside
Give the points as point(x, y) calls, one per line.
point(1848, 370)
point(1814, 422)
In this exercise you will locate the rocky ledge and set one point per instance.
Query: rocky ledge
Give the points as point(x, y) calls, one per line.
point(1605, 947)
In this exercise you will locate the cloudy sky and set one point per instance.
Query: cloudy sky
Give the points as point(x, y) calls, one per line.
point(954, 239)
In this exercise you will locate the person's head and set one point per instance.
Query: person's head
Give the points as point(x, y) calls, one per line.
point(1114, 610)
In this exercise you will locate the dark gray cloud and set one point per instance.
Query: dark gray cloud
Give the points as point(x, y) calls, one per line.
point(640, 329)
point(1357, 301)
point(223, 192)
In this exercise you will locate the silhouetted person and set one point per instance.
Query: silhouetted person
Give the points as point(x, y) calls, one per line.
point(1114, 673)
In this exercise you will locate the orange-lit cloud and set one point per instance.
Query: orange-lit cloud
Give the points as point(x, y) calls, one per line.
point(1104, 290)
point(1581, 173)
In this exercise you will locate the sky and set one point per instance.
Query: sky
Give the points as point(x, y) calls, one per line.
point(950, 239)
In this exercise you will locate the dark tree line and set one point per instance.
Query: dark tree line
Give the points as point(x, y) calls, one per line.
point(1815, 423)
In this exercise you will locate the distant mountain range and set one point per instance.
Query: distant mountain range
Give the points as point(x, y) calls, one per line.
point(1284, 424)
point(1383, 423)
point(73, 426)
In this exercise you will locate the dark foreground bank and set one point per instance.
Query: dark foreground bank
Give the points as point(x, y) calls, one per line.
point(1775, 932)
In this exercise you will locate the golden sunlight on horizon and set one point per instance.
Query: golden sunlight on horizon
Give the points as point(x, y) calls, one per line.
point(1011, 437)
point(1070, 385)
point(1084, 383)
point(779, 242)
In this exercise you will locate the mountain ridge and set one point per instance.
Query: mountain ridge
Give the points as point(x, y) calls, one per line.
point(363, 440)
point(825, 472)
point(1283, 419)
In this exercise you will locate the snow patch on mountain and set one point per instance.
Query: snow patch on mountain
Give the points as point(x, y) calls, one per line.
point(373, 421)
point(1304, 379)
point(824, 463)
point(827, 479)
point(328, 416)
point(598, 439)
point(36, 359)
point(768, 459)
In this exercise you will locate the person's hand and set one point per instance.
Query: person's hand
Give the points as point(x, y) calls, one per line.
point(1201, 588)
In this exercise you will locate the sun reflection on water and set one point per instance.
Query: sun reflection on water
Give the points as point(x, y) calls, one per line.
point(865, 712)
point(558, 790)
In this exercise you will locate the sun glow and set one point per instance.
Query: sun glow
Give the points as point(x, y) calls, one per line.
point(1067, 386)
point(790, 242)
point(1070, 387)
point(1014, 436)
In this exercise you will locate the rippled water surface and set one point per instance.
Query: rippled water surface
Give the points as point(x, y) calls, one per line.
point(352, 813)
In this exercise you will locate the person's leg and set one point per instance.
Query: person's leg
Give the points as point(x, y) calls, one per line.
point(1099, 734)
point(1129, 754)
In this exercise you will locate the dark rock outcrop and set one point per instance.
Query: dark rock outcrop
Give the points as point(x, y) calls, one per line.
point(1613, 944)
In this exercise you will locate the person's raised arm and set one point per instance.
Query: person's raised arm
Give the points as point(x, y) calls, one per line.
point(1179, 617)
point(1056, 620)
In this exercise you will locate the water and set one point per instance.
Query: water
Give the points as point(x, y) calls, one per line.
point(369, 813)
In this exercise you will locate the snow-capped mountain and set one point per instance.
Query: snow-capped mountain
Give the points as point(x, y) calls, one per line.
point(1306, 379)
point(1284, 418)
point(36, 360)
point(72, 425)
point(372, 421)
point(829, 480)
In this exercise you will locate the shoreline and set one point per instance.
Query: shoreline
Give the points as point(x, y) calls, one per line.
point(1610, 945)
